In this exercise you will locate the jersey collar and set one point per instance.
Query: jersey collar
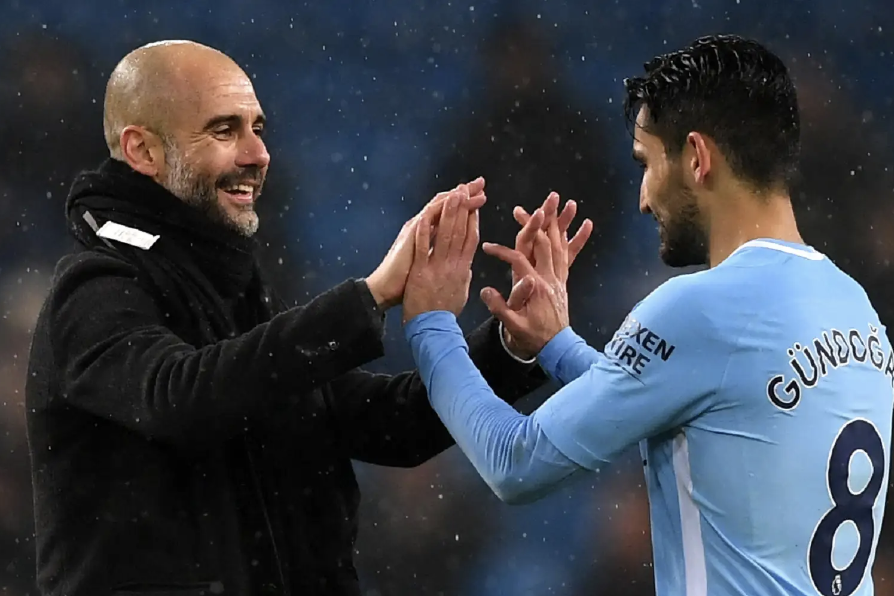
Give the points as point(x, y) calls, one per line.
point(798, 250)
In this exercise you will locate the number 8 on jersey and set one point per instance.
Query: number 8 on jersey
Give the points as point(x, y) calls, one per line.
point(857, 436)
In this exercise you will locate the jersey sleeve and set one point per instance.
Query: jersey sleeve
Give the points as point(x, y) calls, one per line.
point(661, 369)
point(567, 356)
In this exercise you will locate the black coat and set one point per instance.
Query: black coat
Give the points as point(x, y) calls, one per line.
point(189, 434)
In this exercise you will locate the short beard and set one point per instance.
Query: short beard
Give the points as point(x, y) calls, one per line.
point(200, 191)
point(684, 242)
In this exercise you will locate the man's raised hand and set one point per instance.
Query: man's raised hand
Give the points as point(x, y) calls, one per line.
point(388, 282)
point(549, 229)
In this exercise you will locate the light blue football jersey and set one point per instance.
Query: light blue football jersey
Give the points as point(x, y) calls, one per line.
point(760, 392)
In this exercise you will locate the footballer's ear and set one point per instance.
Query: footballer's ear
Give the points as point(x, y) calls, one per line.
point(697, 156)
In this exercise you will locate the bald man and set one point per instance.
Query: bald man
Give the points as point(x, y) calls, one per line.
point(190, 434)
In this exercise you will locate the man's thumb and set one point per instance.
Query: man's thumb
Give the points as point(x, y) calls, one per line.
point(493, 300)
point(520, 293)
point(501, 311)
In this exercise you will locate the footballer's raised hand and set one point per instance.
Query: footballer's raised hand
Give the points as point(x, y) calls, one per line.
point(554, 225)
point(441, 273)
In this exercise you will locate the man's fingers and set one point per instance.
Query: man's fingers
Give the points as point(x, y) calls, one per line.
point(424, 235)
point(498, 307)
point(543, 255)
point(437, 201)
point(476, 192)
point(476, 201)
point(476, 186)
point(517, 260)
point(460, 224)
point(580, 239)
point(435, 207)
point(567, 216)
point(409, 229)
point(520, 215)
point(520, 293)
point(472, 238)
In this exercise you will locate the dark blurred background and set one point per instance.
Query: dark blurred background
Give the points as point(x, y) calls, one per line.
point(376, 105)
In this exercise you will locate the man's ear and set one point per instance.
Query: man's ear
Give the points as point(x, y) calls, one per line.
point(698, 159)
point(143, 150)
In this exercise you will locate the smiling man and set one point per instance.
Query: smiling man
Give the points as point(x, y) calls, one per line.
point(146, 126)
point(190, 434)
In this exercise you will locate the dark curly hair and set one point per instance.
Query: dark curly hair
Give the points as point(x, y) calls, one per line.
point(735, 91)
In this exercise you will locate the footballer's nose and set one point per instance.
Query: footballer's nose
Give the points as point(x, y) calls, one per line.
point(644, 207)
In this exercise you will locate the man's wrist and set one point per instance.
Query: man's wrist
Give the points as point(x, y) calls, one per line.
point(378, 294)
point(513, 355)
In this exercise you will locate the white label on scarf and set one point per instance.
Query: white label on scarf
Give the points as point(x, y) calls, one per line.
point(132, 236)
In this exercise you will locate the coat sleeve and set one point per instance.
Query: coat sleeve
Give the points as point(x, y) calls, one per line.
point(118, 360)
point(388, 420)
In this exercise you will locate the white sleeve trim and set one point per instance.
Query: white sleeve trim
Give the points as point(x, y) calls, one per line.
point(508, 351)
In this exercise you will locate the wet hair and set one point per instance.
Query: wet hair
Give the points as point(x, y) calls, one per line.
point(734, 91)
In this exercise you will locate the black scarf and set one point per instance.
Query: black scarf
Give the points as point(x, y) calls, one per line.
point(206, 274)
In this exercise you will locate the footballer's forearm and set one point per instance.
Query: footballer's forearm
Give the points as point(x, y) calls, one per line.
point(567, 356)
point(509, 450)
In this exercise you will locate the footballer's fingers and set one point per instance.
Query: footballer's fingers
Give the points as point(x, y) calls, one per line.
point(558, 245)
point(566, 217)
point(524, 240)
point(471, 240)
point(576, 244)
point(424, 234)
point(520, 215)
point(449, 213)
point(550, 209)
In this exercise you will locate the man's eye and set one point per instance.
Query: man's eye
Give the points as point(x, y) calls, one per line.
point(259, 131)
point(223, 131)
